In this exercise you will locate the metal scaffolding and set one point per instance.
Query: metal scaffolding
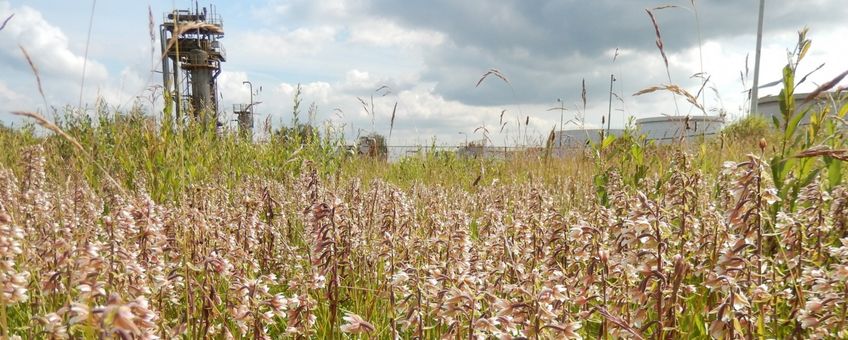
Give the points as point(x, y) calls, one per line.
point(193, 56)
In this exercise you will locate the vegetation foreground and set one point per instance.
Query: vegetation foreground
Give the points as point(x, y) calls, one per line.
point(657, 243)
point(132, 229)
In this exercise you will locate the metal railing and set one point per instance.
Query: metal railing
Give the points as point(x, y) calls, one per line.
point(398, 152)
point(182, 15)
point(241, 107)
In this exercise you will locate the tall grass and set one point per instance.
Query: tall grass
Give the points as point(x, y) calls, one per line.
point(218, 236)
point(121, 225)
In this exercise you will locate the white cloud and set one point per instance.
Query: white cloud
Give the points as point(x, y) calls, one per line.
point(271, 45)
point(357, 78)
point(127, 89)
point(8, 95)
point(318, 92)
point(308, 9)
point(343, 49)
point(46, 44)
point(59, 67)
point(385, 33)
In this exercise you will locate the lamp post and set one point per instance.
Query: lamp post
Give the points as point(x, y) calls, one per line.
point(561, 109)
point(561, 113)
point(466, 137)
point(609, 112)
point(250, 106)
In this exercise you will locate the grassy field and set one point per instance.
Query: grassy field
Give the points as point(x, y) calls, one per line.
point(124, 226)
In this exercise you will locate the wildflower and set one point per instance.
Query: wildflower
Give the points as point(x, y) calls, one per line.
point(13, 283)
point(840, 272)
point(278, 304)
point(54, 326)
point(807, 318)
point(761, 293)
point(318, 281)
point(355, 324)
point(770, 195)
point(566, 331)
point(740, 301)
point(487, 325)
point(128, 319)
point(79, 313)
point(399, 278)
point(718, 329)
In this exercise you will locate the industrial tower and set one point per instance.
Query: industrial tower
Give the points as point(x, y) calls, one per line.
point(192, 62)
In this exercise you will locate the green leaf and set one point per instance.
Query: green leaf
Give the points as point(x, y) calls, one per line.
point(792, 124)
point(834, 171)
point(830, 126)
point(815, 118)
point(607, 141)
point(777, 165)
point(804, 48)
point(637, 154)
point(787, 94)
point(738, 326)
point(775, 121)
point(600, 181)
point(761, 324)
point(809, 177)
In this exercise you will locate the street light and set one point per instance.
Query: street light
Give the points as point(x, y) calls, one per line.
point(466, 137)
point(250, 107)
point(251, 95)
point(562, 110)
point(609, 113)
point(561, 117)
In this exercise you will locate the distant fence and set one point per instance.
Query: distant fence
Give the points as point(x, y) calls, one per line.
point(397, 152)
point(670, 139)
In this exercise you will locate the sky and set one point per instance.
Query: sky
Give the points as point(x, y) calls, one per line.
point(430, 55)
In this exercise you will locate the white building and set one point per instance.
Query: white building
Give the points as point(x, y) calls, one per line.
point(579, 138)
point(667, 129)
point(769, 106)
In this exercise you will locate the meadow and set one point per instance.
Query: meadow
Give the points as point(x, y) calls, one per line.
point(122, 225)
